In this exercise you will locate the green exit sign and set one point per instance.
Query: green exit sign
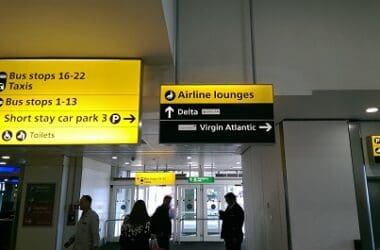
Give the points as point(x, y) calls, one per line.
point(201, 180)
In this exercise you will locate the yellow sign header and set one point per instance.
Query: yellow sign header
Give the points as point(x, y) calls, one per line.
point(375, 145)
point(57, 102)
point(71, 76)
point(154, 178)
point(220, 94)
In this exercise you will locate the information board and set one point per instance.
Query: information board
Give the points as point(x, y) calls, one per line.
point(154, 178)
point(39, 204)
point(375, 141)
point(216, 113)
point(46, 102)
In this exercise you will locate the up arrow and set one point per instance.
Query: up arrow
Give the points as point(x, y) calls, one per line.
point(169, 110)
point(267, 126)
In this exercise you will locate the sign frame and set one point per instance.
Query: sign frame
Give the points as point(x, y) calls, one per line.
point(186, 121)
point(133, 131)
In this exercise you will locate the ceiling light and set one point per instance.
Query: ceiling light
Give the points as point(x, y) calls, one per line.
point(372, 110)
point(238, 162)
point(189, 157)
point(3, 163)
point(5, 157)
point(236, 167)
point(114, 157)
point(126, 163)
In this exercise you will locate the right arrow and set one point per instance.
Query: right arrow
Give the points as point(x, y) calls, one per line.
point(131, 118)
point(267, 126)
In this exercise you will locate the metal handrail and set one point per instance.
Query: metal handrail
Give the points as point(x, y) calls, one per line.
point(106, 228)
point(176, 233)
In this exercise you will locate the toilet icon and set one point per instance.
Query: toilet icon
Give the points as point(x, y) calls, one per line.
point(7, 135)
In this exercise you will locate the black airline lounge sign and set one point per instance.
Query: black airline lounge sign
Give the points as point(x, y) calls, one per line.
point(216, 114)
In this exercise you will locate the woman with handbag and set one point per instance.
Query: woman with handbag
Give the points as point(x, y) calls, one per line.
point(135, 231)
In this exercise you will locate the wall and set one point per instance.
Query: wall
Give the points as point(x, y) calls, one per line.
point(298, 43)
point(96, 177)
point(367, 129)
point(320, 189)
point(213, 41)
point(169, 8)
point(265, 218)
point(46, 169)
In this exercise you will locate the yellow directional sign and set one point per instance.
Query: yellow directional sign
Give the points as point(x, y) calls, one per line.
point(53, 102)
point(154, 178)
point(223, 94)
point(375, 145)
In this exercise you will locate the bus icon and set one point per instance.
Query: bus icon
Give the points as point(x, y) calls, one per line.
point(3, 80)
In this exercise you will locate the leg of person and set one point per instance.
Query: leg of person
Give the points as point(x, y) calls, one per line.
point(228, 244)
point(163, 242)
point(236, 244)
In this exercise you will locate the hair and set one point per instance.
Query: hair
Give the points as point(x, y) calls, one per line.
point(167, 197)
point(139, 215)
point(230, 196)
point(87, 198)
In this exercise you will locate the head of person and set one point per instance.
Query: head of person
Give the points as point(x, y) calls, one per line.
point(230, 198)
point(85, 202)
point(139, 214)
point(167, 200)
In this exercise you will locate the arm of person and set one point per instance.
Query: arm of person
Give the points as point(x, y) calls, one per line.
point(95, 231)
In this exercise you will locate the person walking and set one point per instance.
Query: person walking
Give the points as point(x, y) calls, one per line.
point(161, 223)
point(135, 231)
point(232, 223)
point(87, 229)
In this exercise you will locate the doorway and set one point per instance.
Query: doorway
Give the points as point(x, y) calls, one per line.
point(196, 206)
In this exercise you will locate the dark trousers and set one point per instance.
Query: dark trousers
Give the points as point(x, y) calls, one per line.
point(163, 242)
point(232, 244)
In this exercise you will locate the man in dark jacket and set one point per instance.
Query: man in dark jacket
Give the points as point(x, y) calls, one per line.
point(161, 225)
point(233, 218)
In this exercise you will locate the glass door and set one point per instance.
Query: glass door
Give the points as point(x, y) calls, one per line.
point(123, 199)
point(188, 221)
point(213, 202)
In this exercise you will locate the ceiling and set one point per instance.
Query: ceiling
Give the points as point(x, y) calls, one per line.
point(137, 29)
point(85, 29)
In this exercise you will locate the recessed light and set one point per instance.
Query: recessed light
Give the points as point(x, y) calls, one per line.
point(372, 110)
point(114, 157)
point(6, 180)
point(126, 163)
point(238, 162)
point(189, 157)
point(3, 163)
point(5, 157)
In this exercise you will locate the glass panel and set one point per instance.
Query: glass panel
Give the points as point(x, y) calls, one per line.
point(156, 195)
point(238, 191)
point(214, 203)
point(188, 212)
point(123, 206)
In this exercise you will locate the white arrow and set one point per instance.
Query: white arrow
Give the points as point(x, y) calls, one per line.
point(267, 126)
point(169, 110)
point(377, 150)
